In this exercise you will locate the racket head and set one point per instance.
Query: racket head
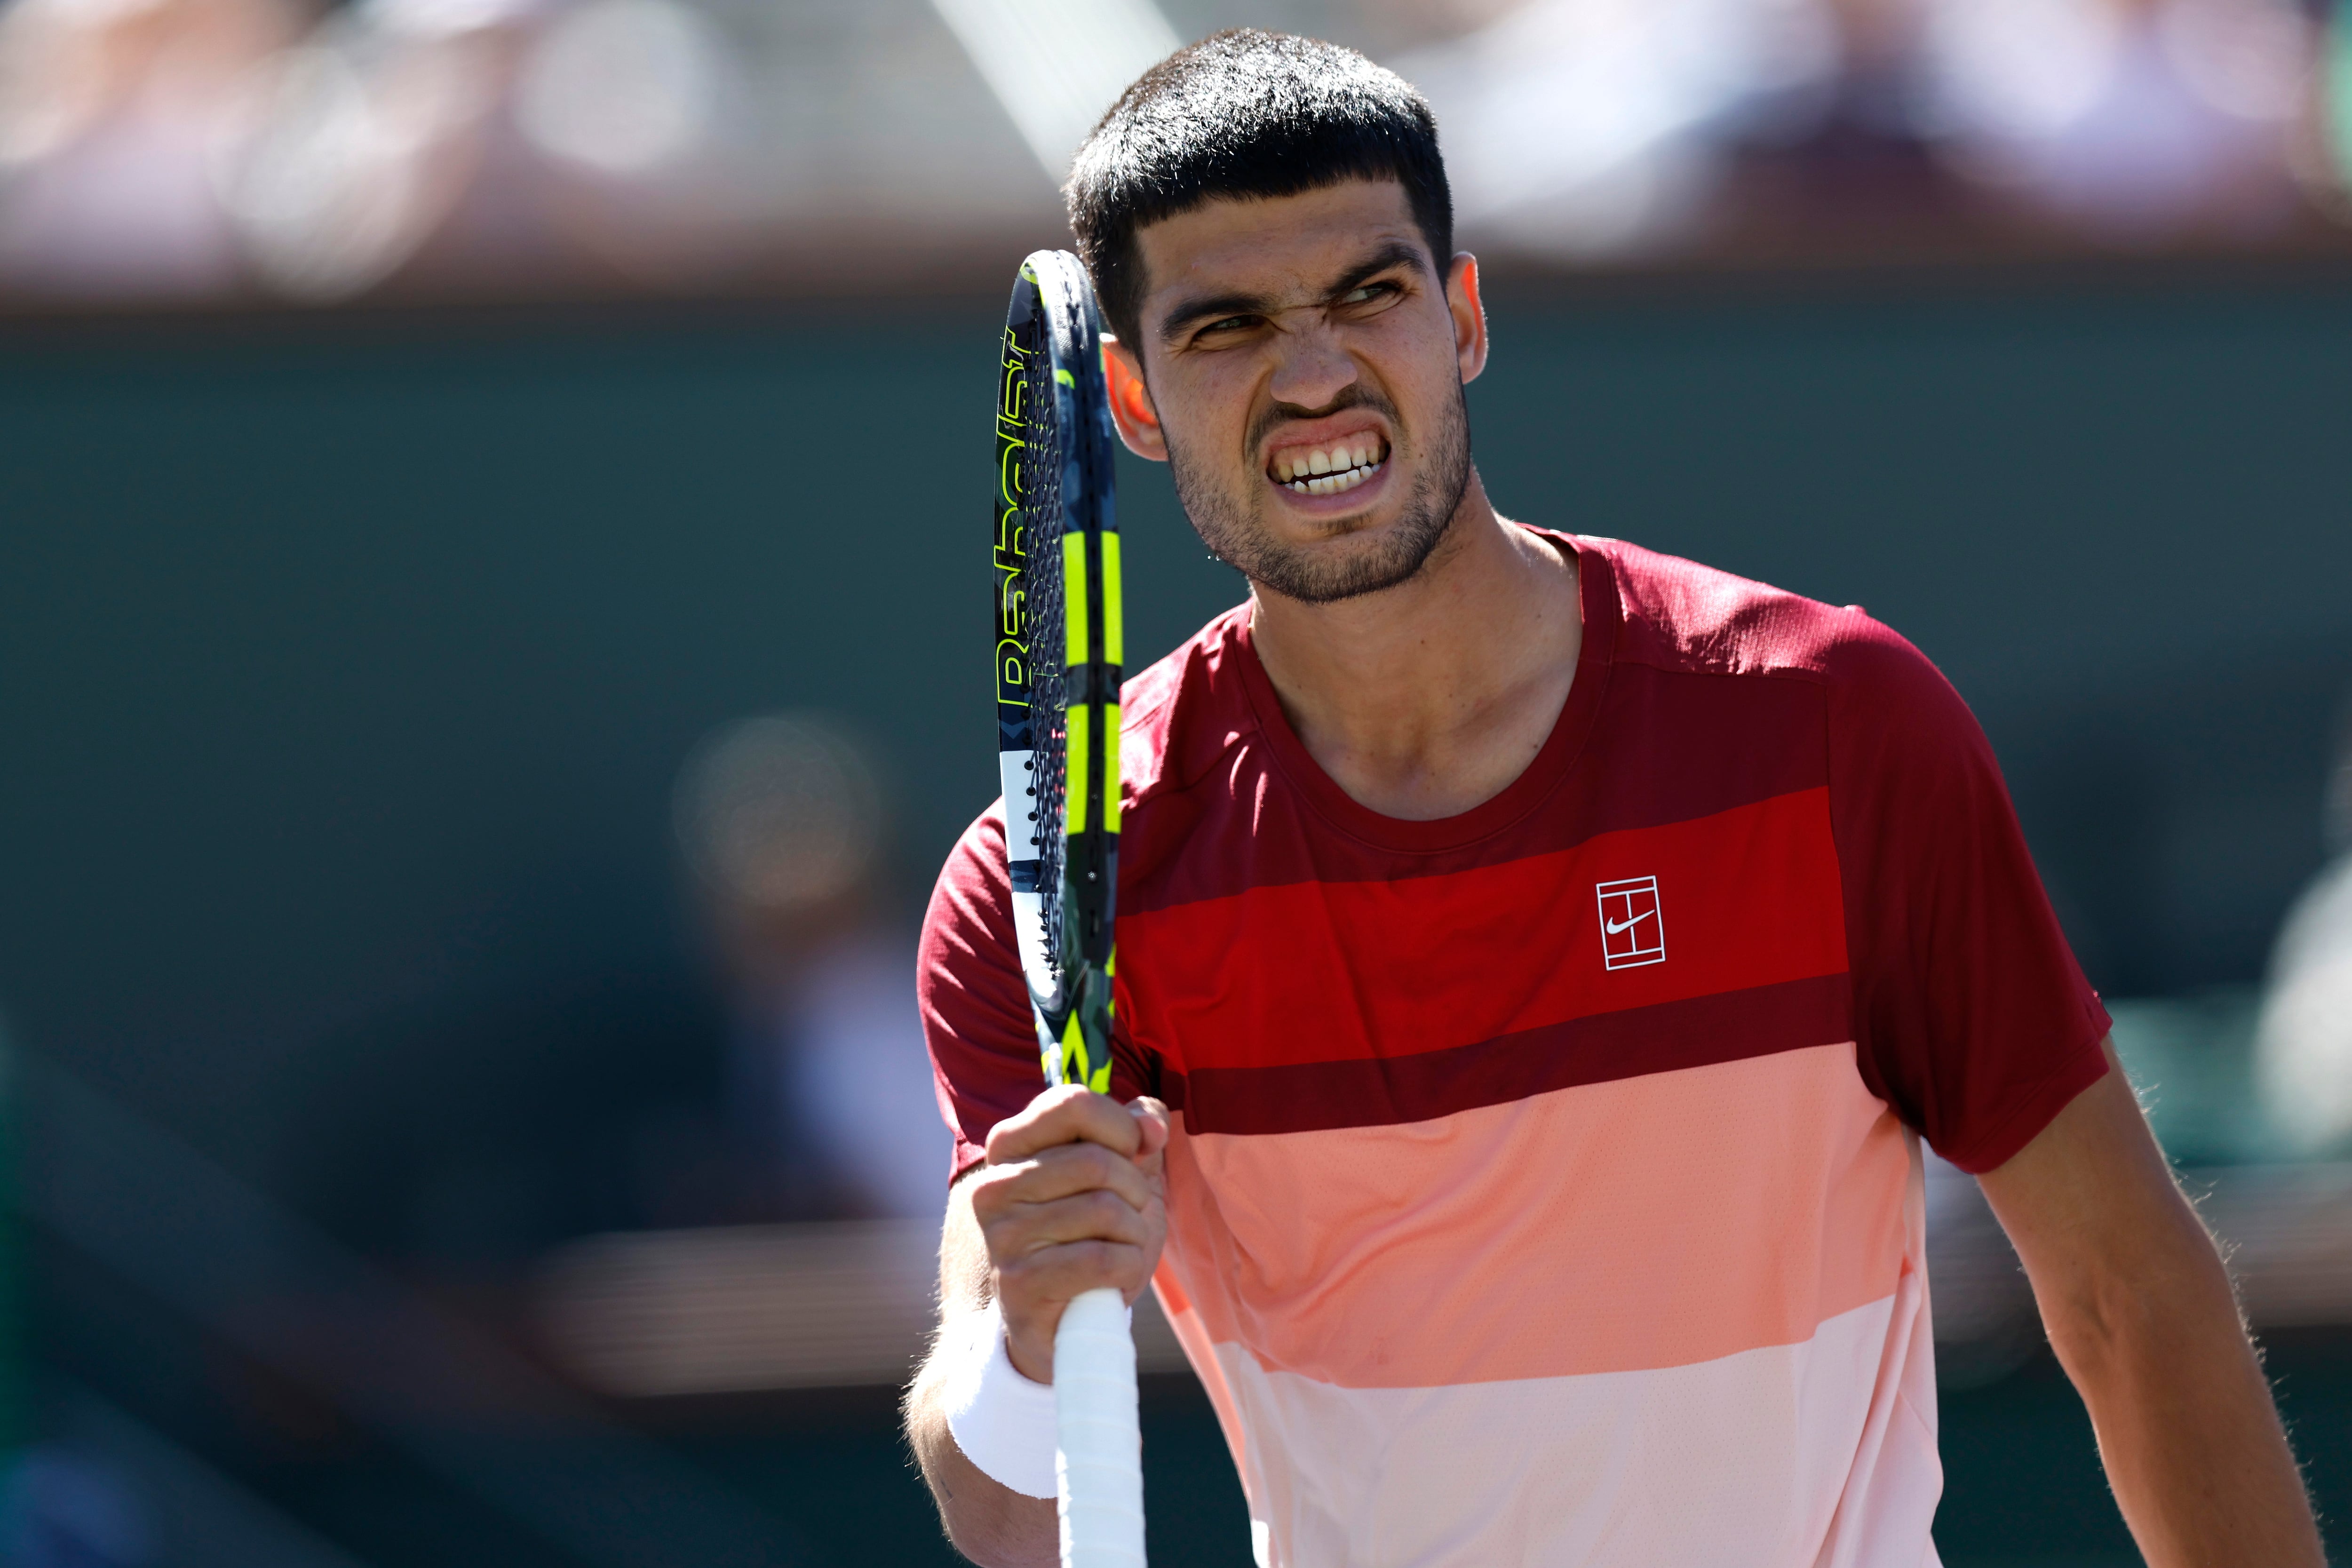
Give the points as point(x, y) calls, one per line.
point(1057, 625)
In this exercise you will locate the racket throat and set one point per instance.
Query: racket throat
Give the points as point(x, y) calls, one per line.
point(1075, 1040)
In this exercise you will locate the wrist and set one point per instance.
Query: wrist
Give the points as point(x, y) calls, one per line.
point(1001, 1419)
point(1032, 1353)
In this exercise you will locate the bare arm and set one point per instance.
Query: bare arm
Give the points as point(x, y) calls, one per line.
point(989, 1522)
point(2139, 1309)
point(1071, 1198)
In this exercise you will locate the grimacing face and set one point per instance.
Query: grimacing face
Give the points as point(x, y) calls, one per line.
point(1302, 367)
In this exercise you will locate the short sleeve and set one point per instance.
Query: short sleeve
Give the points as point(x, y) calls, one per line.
point(974, 1002)
point(1973, 1019)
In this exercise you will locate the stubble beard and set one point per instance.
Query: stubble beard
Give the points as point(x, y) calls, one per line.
point(1234, 527)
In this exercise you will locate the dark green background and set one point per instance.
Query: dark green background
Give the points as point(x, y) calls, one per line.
point(348, 660)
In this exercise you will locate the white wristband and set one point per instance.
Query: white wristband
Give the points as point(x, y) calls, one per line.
point(1002, 1421)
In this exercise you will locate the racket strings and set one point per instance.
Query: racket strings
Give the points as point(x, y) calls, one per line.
point(1049, 696)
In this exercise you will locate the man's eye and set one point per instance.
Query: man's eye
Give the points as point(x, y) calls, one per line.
point(1364, 294)
point(1230, 324)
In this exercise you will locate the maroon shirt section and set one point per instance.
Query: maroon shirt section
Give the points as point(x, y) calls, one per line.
point(1695, 692)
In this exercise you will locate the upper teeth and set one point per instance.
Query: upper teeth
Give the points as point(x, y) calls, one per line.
point(1356, 452)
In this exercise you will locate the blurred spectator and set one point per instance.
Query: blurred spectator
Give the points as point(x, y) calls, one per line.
point(176, 147)
point(639, 113)
point(483, 1127)
point(381, 133)
point(530, 143)
point(1596, 127)
point(2135, 118)
point(111, 111)
point(2304, 1047)
point(781, 821)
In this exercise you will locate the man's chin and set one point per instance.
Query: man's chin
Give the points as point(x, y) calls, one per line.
point(1324, 554)
point(1351, 563)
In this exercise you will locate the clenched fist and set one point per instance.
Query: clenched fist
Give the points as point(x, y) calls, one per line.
point(1073, 1196)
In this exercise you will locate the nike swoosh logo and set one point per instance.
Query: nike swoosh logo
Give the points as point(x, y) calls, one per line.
point(1617, 926)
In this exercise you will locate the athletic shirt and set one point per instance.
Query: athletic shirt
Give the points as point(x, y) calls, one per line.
point(1546, 1185)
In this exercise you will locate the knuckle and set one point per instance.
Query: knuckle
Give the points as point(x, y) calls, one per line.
point(1108, 1212)
point(1083, 1167)
point(1095, 1260)
point(990, 1192)
point(1057, 1105)
point(1016, 1277)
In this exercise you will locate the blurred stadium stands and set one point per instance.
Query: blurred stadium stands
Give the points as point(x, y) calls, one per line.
point(486, 499)
point(250, 150)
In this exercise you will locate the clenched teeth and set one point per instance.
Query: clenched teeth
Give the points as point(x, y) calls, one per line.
point(1327, 470)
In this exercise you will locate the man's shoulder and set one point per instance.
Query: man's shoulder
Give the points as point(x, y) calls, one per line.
point(1683, 616)
point(1177, 717)
point(1182, 712)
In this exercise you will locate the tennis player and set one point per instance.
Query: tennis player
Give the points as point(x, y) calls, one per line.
point(1539, 964)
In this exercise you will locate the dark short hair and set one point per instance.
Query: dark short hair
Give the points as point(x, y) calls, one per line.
point(1246, 113)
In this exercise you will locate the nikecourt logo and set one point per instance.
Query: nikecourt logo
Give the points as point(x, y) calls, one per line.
point(1633, 931)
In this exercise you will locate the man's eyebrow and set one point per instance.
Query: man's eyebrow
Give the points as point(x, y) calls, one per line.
point(1210, 307)
point(1392, 253)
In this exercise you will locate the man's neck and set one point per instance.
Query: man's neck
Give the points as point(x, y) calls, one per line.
point(1424, 700)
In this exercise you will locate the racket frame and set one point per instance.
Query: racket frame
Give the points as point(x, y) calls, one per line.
point(1053, 350)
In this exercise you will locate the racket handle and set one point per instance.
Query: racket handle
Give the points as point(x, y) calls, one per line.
point(1098, 1451)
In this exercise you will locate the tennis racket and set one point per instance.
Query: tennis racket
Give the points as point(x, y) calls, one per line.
point(1058, 646)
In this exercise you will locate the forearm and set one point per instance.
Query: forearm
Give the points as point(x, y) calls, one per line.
point(2139, 1309)
point(2186, 1429)
point(989, 1522)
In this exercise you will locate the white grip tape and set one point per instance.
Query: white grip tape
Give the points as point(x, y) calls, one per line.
point(1098, 1459)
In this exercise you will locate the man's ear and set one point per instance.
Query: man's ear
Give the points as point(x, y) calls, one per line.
point(1469, 313)
point(1130, 401)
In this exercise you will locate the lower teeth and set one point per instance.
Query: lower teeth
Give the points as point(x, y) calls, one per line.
point(1358, 475)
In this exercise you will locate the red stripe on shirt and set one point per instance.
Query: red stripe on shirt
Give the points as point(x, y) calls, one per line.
point(1360, 970)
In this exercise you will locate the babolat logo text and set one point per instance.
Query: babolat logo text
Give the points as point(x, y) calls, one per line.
point(1012, 527)
point(1633, 928)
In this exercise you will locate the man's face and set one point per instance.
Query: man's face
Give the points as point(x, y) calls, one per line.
point(1304, 359)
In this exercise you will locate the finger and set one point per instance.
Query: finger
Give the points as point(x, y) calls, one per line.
point(1034, 1293)
point(1081, 1217)
point(1060, 1171)
point(1050, 1277)
point(1065, 1115)
point(1033, 1305)
point(1152, 1124)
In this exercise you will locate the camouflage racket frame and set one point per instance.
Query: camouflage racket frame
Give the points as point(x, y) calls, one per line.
point(1058, 646)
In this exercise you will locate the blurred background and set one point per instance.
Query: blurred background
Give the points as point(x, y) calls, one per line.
point(482, 698)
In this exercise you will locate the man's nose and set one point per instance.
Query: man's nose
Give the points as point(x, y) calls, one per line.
point(1312, 369)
